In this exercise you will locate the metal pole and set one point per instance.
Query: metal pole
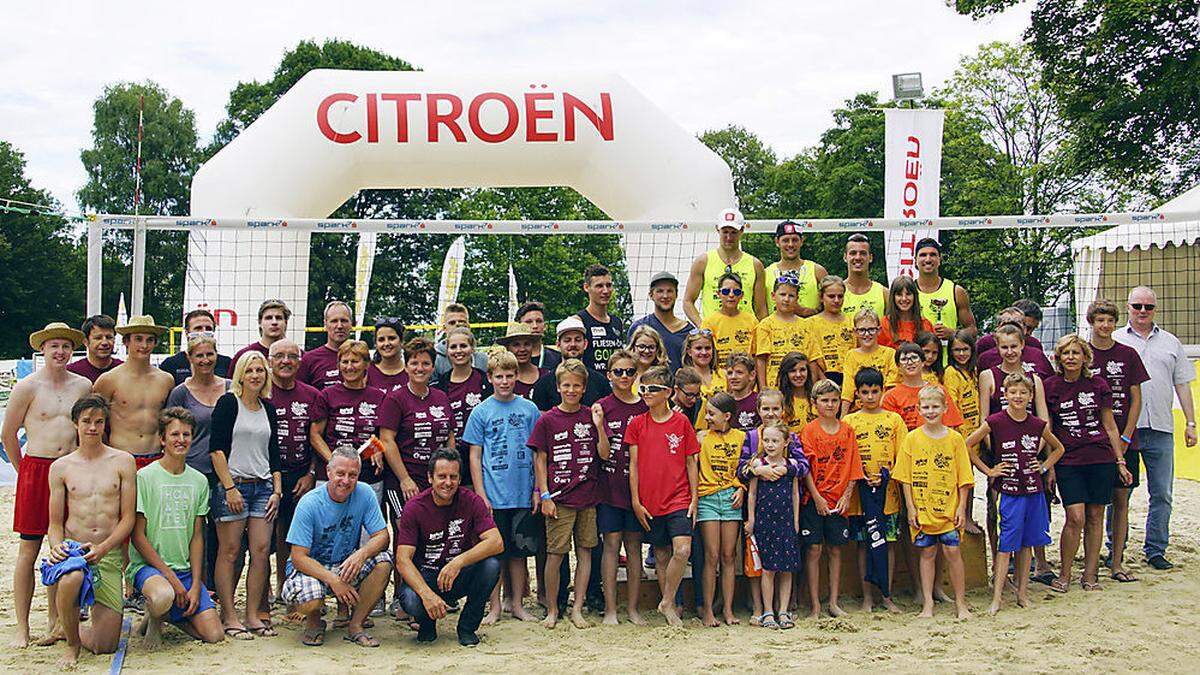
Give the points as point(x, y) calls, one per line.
point(95, 267)
point(139, 230)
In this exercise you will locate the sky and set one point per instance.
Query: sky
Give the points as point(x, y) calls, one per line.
point(776, 68)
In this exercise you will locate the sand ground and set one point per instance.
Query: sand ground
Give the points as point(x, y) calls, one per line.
point(1148, 625)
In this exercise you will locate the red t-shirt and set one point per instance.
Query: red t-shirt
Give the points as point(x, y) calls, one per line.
point(85, 368)
point(663, 449)
point(833, 459)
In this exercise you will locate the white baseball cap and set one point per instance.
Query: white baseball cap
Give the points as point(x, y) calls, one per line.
point(731, 218)
point(568, 324)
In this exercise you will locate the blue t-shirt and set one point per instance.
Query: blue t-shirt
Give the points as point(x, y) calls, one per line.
point(501, 428)
point(330, 530)
point(672, 341)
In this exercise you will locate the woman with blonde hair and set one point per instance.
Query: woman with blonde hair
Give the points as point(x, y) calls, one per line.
point(648, 350)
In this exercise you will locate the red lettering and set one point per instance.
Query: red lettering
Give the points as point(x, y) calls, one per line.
point(912, 170)
point(510, 108)
point(909, 213)
point(603, 122)
point(449, 119)
point(401, 101)
point(910, 194)
point(323, 119)
point(233, 317)
point(372, 118)
point(916, 142)
point(533, 114)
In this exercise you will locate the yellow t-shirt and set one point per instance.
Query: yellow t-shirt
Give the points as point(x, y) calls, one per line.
point(803, 412)
point(879, 435)
point(935, 468)
point(964, 389)
point(730, 334)
point(929, 376)
point(719, 454)
point(775, 338)
point(882, 359)
point(829, 340)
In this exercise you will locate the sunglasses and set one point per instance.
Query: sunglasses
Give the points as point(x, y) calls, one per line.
point(1141, 306)
point(688, 394)
point(644, 389)
point(735, 292)
point(624, 372)
point(701, 331)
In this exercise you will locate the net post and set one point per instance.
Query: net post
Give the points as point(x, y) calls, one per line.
point(139, 267)
point(95, 258)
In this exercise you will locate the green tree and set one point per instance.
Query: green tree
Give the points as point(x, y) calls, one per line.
point(1126, 76)
point(40, 266)
point(169, 159)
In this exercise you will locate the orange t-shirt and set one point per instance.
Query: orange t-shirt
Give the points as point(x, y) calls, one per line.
point(903, 399)
point(832, 459)
point(907, 332)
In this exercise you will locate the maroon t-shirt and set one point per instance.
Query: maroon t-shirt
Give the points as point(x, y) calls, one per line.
point(439, 533)
point(85, 368)
point(1033, 360)
point(1075, 411)
point(1017, 443)
point(614, 473)
point(998, 400)
point(746, 417)
point(422, 425)
point(572, 462)
point(988, 342)
point(255, 346)
point(294, 409)
point(384, 382)
point(319, 367)
point(351, 418)
point(1122, 368)
point(464, 396)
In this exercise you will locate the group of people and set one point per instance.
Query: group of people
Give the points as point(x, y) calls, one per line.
point(789, 414)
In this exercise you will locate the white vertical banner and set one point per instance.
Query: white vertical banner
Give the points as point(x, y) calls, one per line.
point(912, 179)
point(363, 265)
point(512, 295)
point(452, 271)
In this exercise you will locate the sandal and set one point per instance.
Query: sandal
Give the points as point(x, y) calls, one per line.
point(314, 637)
point(1123, 577)
point(235, 633)
point(1044, 577)
point(1090, 585)
point(757, 619)
point(785, 621)
point(768, 621)
point(362, 638)
point(264, 631)
point(1060, 585)
point(343, 621)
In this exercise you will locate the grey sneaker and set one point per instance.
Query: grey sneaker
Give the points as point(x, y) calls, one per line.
point(379, 609)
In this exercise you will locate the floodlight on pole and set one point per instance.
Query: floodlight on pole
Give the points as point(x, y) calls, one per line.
point(907, 87)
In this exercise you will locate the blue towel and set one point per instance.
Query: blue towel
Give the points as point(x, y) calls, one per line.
point(52, 572)
point(872, 499)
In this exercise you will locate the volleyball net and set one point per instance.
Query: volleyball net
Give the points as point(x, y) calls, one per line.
point(399, 268)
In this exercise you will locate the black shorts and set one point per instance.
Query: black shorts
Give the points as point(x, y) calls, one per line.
point(611, 519)
point(1133, 462)
point(393, 500)
point(833, 529)
point(664, 528)
point(287, 502)
point(520, 529)
point(1086, 483)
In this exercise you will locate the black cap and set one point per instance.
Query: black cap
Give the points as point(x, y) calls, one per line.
point(664, 276)
point(787, 227)
point(927, 242)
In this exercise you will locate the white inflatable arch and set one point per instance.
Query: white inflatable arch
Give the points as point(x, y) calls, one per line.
point(337, 132)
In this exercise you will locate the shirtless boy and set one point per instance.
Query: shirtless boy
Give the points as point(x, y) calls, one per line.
point(41, 403)
point(137, 391)
point(92, 500)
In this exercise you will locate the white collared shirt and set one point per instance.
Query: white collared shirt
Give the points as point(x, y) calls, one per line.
point(1162, 354)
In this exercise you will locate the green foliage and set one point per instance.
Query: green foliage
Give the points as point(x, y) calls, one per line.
point(169, 159)
point(41, 270)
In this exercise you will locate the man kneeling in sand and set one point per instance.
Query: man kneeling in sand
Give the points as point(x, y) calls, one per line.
point(166, 555)
point(326, 556)
point(92, 500)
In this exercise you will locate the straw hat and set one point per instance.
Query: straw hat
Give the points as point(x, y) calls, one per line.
point(517, 331)
point(54, 330)
point(142, 323)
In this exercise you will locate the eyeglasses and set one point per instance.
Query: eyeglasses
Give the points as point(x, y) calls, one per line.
point(623, 372)
point(866, 331)
point(285, 357)
point(701, 331)
point(909, 358)
point(1142, 306)
point(644, 389)
point(735, 292)
point(646, 348)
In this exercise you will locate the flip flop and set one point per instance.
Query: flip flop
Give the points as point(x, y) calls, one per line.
point(238, 634)
point(264, 631)
point(314, 637)
point(1059, 586)
point(1044, 578)
point(1123, 577)
point(1090, 585)
point(343, 621)
point(362, 639)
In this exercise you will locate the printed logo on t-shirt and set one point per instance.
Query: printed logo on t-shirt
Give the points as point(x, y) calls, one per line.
point(299, 409)
point(745, 419)
point(673, 443)
point(1114, 368)
point(797, 340)
point(437, 412)
point(518, 420)
point(583, 430)
point(366, 409)
point(1029, 442)
point(1087, 398)
point(882, 432)
point(1027, 367)
point(941, 461)
point(560, 436)
point(741, 335)
point(474, 398)
point(598, 331)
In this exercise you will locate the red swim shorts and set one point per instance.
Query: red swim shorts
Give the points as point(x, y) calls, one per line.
point(143, 461)
point(31, 512)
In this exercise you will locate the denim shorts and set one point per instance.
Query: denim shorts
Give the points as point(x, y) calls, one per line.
point(718, 506)
point(255, 495)
point(950, 538)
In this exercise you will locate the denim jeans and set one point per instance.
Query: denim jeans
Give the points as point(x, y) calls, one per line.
point(474, 582)
point(1158, 456)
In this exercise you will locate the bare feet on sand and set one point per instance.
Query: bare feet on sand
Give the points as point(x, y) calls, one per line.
point(867, 606)
point(891, 606)
point(993, 608)
point(491, 618)
point(816, 611)
point(963, 611)
point(55, 635)
point(667, 609)
point(577, 619)
point(1022, 601)
point(551, 620)
point(70, 660)
point(835, 610)
point(610, 619)
point(731, 619)
point(635, 618)
point(522, 614)
point(926, 613)
point(940, 596)
point(20, 640)
point(151, 632)
point(707, 619)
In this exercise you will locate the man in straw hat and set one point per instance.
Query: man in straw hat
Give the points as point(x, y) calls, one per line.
point(137, 392)
point(41, 403)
